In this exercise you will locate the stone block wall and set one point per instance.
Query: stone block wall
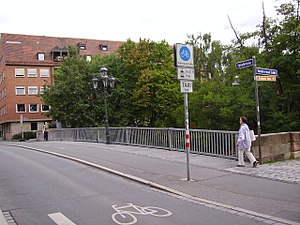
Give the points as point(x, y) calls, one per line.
point(278, 146)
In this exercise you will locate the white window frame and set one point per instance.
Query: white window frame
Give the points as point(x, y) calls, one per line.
point(19, 72)
point(33, 90)
point(32, 72)
point(44, 110)
point(44, 72)
point(21, 111)
point(31, 111)
point(41, 56)
point(88, 58)
point(20, 88)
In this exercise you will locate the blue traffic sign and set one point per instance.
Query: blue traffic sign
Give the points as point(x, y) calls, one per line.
point(184, 53)
point(265, 71)
point(244, 64)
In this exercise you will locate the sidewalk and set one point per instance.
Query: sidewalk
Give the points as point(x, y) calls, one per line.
point(285, 171)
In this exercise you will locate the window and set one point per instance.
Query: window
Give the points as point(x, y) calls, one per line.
point(20, 90)
point(34, 126)
point(44, 72)
point(104, 47)
point(32, 90)
point(20, 108)
point(19, 72)
point(41, 56)
point(82, 46)
point(45, 108)
point(43, 88)
point(88, 58)
point(33, 108)
point(32, 72)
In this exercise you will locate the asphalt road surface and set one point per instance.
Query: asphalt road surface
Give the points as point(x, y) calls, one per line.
point(41, 189)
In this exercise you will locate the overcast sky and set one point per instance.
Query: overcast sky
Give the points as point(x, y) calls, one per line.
point(119, 20)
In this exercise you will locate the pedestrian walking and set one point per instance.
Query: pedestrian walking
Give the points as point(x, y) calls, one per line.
point(244, 144)
point(46, 131)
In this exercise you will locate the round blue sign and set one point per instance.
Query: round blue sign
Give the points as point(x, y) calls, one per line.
point(185, 53)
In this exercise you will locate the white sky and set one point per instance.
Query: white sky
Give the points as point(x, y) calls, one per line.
point(118, 20)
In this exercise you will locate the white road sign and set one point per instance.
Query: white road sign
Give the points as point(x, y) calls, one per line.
point(185, 73)
point(184, 55)
point(186, 86)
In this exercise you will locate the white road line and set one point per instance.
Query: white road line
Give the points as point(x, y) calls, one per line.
point(2, 219)
point(60, 219)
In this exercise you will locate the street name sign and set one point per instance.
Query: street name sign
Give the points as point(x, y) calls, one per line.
point(186, 86)
point(185, 73)
point(265, 78)
point(184, 55)
point(265, 71)
point(244, 64)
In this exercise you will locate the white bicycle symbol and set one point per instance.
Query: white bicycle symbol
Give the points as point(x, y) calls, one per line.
point(124, 215)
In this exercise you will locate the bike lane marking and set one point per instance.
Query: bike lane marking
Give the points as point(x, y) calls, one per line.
point(126, 214)
point(60, 219)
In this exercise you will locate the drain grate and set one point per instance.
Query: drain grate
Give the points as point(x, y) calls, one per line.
point(9, 219)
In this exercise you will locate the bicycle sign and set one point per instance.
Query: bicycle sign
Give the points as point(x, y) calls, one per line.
point(125, 215)
point(184, 55)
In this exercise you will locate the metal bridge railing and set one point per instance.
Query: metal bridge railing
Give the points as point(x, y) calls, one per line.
point(209, 142)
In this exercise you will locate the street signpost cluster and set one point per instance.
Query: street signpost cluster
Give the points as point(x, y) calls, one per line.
point(260, 74)
point(184, 61)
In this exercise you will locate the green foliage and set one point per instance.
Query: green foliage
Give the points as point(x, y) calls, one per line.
point(27, 135)
point(147, 90)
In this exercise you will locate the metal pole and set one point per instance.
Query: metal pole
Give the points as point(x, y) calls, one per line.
point(257, 112)
point(187, 135)
point(21, 122)
point(106, 118)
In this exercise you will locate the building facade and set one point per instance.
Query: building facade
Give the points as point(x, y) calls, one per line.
point(27, 65)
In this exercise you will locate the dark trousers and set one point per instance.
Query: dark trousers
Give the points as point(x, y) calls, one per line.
point(46, 135)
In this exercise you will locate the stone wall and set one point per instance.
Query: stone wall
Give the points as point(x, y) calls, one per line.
point(278, 146)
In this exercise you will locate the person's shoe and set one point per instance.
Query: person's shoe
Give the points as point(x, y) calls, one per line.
point(240, 165)
point(255, 163)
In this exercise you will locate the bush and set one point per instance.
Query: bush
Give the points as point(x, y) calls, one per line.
point(27, 135)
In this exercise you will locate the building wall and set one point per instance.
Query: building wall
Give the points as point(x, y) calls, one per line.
point(23, 52)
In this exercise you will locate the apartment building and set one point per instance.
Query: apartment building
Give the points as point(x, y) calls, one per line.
point(27, 65)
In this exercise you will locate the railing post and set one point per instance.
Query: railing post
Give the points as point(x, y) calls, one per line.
point(127, 135)
point(170, 141)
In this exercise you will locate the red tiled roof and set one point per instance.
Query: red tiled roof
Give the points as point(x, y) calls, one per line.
point(24, 48)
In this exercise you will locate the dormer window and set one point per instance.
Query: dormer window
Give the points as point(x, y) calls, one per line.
point(40, 56)
point(104, 47)
point(58, 54)
point(82, 46)
point(88, 58)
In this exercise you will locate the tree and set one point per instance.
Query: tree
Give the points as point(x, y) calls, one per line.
point(149, 82)
point(70, 98)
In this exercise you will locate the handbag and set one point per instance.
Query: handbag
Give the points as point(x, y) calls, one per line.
point(252, 136)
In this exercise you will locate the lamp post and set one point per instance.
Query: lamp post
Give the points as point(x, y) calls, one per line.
point(107, 85)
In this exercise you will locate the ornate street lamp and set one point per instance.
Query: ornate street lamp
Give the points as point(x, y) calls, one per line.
point(108, 84)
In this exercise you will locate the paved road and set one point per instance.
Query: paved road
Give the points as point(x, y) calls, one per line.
point(41, 189)
point(216, 182)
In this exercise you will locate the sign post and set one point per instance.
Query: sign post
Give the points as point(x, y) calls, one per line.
point(257, 113)
point(260, 74)
point(184, 61)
